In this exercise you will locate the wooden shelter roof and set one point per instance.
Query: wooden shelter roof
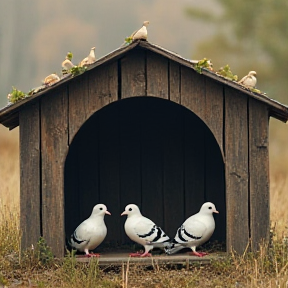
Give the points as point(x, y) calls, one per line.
point(9, 115)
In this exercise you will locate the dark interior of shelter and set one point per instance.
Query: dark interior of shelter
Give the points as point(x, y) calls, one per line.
point(147, 151)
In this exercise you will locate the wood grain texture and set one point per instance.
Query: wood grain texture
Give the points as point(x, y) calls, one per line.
point(108, 139)
point(259, 173)
point(214, 109)
point(54, 146)
point(133, 74)
point(193, 91)
point(194, 164)
point(237, 170)
point(174, 82)
point(103, 87)
point(157, 75)
point(30, 170)
point(78, 90)
point(173, 173)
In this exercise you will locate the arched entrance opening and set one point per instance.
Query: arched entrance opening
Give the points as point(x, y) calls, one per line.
point(148, 151)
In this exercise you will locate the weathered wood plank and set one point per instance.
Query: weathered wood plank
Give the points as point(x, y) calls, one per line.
point(130, 156)
point(214, 111)
point(194, 163)
point(236, 151)
point(157, 75)
point(71, 190)
point(152, 144)
point(259, 173)
point(109, 170)
point(215, 184)
point(174, 81)
point(193, 91)
point(133, 74)
point(30, 170)
point(173, 177)
point(103, 87)
point(78, 104)
point(54, 135)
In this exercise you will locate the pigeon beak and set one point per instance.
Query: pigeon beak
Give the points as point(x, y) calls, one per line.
point(215, 211)
point(107, 212)
point(124, 213)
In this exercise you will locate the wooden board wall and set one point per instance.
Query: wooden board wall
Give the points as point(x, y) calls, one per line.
point(158, 154)
point(30, 176)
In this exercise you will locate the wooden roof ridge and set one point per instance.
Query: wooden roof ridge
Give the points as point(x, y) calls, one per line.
point(277, 110)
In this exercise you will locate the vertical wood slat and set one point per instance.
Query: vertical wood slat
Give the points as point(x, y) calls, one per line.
point(174, 82)
point(103, 87)
point(173, 164)
point(259, 173)
point(109, 169)
point(133, 74)
point(152, 161)
point(157, 75)
point(78, 104)
point(194, 164)
point(54, 135)
point(193, 91)
point(30, 186)
point(130, 155)
point(214, 111)
point(236, 151)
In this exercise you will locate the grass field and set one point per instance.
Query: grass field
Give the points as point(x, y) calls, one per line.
point(37, 268)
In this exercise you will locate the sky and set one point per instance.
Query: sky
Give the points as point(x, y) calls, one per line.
point(36, 35)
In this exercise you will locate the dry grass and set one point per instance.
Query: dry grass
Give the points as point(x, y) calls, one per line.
point(37, 268)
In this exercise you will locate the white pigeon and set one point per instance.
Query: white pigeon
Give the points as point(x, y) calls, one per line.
point(249, 80)
point(67, 64)
point(51, 79)
point(90, 59)
point(195, 231)
point(143, 231)
point(141, 33)
point(91, 232)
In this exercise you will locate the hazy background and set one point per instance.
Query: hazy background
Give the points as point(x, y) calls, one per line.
point(248, 35)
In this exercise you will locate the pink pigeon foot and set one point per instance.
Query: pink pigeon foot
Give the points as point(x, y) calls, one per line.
point(92, 255)
point(138, 254)
point(199, 254)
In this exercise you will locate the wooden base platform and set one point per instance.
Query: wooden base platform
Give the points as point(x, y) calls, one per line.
point(185, 259)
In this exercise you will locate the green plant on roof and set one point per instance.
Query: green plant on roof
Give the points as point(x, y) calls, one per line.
point(69, 56)
point(227, 73)
point(77, 70)
point(16, 95)
point(204, 63)
point(128, 40)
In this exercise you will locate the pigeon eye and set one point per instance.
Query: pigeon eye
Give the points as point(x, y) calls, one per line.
point(210, 208)
point(101, 208)
point(130, 209)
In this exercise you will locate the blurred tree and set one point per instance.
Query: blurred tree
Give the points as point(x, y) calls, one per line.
point(250, 35)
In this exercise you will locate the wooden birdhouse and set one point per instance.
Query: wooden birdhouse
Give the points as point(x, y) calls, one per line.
point(142, 126)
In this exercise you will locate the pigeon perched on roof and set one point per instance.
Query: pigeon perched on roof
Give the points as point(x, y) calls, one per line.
point(195, 231)
point(90, 59)
point(67, 64)
point(51, 79)
point(143, 231)
point(249, 80)
point(141, 33)
point(91, 232)
point(136, 35)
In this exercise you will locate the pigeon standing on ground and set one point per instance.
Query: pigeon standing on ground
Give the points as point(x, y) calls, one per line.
point(195, 231)
point(91, 232)
point(143, 231)
point(249, 80)
point(90, 59)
